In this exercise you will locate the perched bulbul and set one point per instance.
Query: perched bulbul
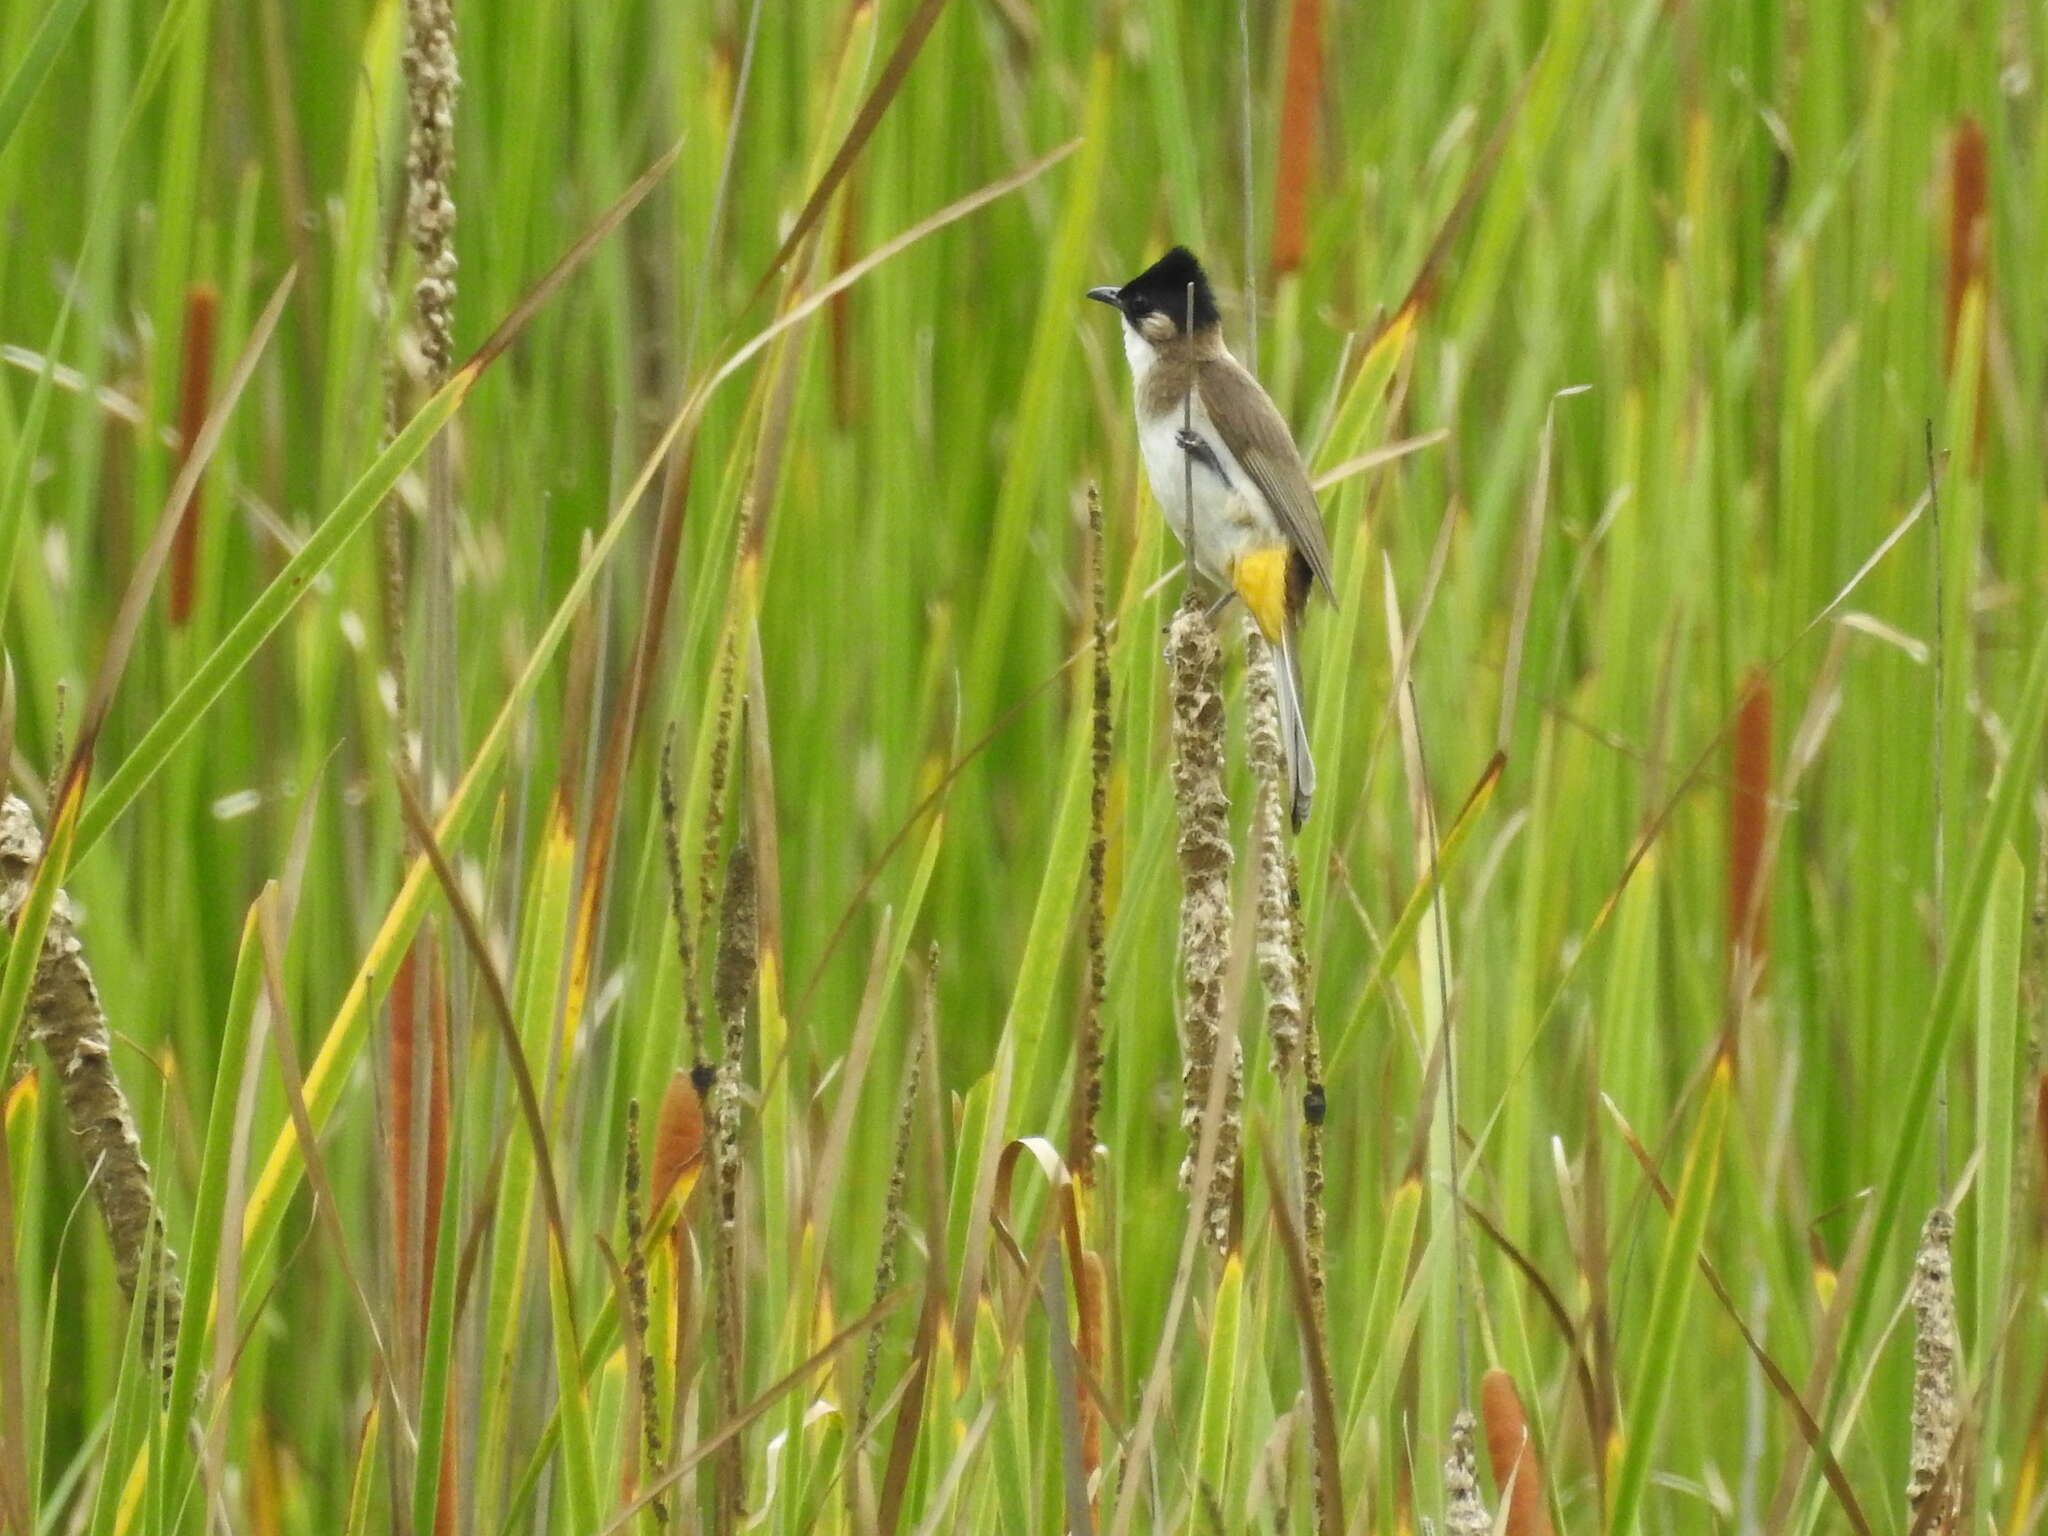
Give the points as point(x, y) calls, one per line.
point(1255, 530)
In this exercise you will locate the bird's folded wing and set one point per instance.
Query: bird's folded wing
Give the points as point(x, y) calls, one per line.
point(1248, 420)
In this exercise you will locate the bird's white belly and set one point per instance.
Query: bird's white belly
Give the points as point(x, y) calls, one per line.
point(1229, 520)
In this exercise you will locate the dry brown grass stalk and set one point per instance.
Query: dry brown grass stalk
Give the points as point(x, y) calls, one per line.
point(636, 1296)
point(1314, 1217)
point(672, 850)
point(1937, 1406)
point(892, 1216)
point(65, 1015)
point(714, 804)
point(732, 987)
point(1195, 661)
point(1088, 1049)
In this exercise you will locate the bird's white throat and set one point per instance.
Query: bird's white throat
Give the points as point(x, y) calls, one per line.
point(1139, 353)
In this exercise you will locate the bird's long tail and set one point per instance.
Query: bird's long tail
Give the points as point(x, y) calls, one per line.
point(1301, 767)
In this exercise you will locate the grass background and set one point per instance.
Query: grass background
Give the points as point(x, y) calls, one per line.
point(1739, 226)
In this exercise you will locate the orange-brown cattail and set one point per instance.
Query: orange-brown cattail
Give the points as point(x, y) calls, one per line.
point(1968, 197)
point(1969, 242)
point(1304, 88)
point(195, 386)
point(1512, 1454)
point(678, 1145)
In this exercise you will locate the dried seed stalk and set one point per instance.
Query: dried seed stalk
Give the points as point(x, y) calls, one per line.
point(1314, 1218)
point(732, 986)
point(1278, 972)
point(1464, 1511)
point(65, 1015)
point(714, 804)
point(1203, 808)
point(1937, 1407)
point(1088, 1050)
point(892, 1217)
point(431, 81)
point(636, 1296)
point(672, 849)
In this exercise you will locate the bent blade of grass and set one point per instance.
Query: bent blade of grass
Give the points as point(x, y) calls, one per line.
point(203, 1248)
point(363, 1484)
point(545, 921)
point(575, 1407)
point(27, 440)
point(2001, 1065)
point(681, 1466)
point(1314, 1347)
point(128, 622)
point(1657, 1366)
point(239, 646)
point(1046, 366)
point(499, 1008)
point(1781, 1384)
point(34, 68)
point(336, 531)
point(346, 1033)
point(2015, 779)
point(905, 53)
point(1418, 905)
point(1397, 1247)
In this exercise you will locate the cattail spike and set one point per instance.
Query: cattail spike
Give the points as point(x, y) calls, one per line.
point(1464, 1511)
point(672, 852)
point(1205, 853)
point(1088, 1048)
point(65, 1015)
point(636, 1295)
point(1936, 1348)
point(1276, 945)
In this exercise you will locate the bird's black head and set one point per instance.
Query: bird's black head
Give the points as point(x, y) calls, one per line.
point(1162, 290)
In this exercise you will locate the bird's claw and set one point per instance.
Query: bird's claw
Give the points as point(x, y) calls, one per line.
point(1196, 447)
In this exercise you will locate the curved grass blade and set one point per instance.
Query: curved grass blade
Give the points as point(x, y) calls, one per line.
point(336, 531)
point(35, 64)
point(1958, 961)
point(885, 88)
point(1658, 1366)
point(1403, 932)
point(135, 601)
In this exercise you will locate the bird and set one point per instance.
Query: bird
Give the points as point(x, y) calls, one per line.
point(1256, 531)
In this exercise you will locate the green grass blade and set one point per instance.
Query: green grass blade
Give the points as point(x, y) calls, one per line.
point(34, 66)
point(1658, 1368)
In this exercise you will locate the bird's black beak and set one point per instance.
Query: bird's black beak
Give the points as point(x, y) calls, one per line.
point(1109, 296)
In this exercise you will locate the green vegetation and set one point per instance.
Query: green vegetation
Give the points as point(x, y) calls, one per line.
point(1680, 806)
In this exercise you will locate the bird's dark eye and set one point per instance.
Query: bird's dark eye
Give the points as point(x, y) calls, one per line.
point(1139, 307)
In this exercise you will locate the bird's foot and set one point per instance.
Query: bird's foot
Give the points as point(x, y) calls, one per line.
point(1196, 447)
